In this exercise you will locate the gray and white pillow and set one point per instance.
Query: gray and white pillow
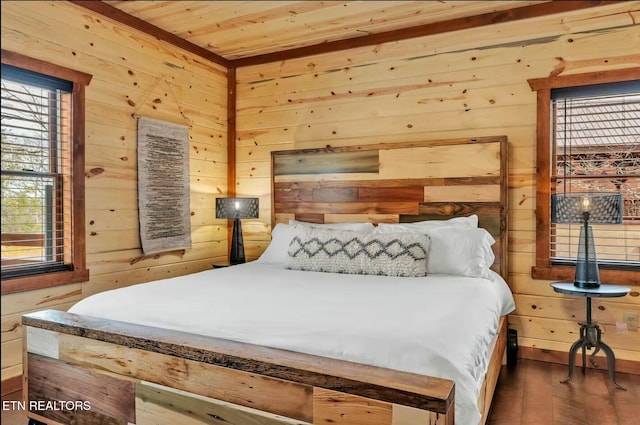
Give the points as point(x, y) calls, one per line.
point(351, 252)
point(453, 249)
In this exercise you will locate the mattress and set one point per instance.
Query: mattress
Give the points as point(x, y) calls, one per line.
point(437, 325)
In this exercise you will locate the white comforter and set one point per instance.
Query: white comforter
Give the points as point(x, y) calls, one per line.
point(437, 325)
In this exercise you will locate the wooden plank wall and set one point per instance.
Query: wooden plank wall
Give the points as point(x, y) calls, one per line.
point(468, 83)
point(133, 74)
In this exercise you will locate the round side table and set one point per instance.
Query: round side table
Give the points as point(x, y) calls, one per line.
point(590, 333)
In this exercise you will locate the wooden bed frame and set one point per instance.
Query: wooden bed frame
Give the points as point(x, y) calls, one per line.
point(84, 370)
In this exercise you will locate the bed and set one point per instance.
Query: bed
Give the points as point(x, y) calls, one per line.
point(275, 342)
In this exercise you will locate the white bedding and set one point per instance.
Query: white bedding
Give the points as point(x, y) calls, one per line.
point(437, 325)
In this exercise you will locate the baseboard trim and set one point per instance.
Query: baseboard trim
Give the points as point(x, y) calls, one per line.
point(11, 385)
point(554, 356)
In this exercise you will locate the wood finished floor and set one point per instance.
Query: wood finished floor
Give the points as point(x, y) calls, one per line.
point(531, 394)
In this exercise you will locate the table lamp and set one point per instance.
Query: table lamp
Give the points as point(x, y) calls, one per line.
point(235, 209)
point(585, 208)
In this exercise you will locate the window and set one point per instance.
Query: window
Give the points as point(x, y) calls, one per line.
point(42, 174)
point(35, 171)
point(589, 141)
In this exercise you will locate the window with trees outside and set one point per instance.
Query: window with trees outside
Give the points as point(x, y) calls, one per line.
point(43, 241)
point(589, 141)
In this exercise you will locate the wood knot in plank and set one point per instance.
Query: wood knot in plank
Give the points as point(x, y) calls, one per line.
point(94, 172)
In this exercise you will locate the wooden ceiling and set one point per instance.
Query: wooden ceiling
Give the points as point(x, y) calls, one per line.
point(237, 33)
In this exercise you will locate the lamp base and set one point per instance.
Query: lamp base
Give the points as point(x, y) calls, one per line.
point(236, 256)
point(586, 285)
point(587, 273)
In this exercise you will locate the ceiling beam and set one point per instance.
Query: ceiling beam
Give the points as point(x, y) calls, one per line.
point(516, 14)
point(117, 15)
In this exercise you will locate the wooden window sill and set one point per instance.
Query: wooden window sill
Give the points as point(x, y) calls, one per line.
point(40, 281)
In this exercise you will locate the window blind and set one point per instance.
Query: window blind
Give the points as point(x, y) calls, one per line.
point(36, 166)
point(596, 133)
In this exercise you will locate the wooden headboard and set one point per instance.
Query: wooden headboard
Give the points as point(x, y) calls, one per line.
point(400, 182)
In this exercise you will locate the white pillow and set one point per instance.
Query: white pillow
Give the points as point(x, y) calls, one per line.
point(356, 227)
point(461, 251)
point(282, 234)
point(276, 252)
point(345, 251)
point(456, 250)
point(468, 222)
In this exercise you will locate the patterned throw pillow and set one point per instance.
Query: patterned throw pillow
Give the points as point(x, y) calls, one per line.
point(344, 251)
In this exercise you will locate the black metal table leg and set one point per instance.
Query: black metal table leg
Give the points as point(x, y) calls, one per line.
point(611, 364)
point(591, 337)
point(584, 357)
point(584, 334)
point(572, 356)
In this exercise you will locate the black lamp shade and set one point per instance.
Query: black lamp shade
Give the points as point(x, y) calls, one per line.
point(237, 208)
point(603, 208)
point(585, 208)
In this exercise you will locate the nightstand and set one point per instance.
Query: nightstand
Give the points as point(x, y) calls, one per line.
point(590, 333)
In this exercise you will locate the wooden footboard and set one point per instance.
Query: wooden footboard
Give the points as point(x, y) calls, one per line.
point(84, 370)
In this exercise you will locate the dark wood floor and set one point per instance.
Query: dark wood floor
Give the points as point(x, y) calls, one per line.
point(531, 394)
